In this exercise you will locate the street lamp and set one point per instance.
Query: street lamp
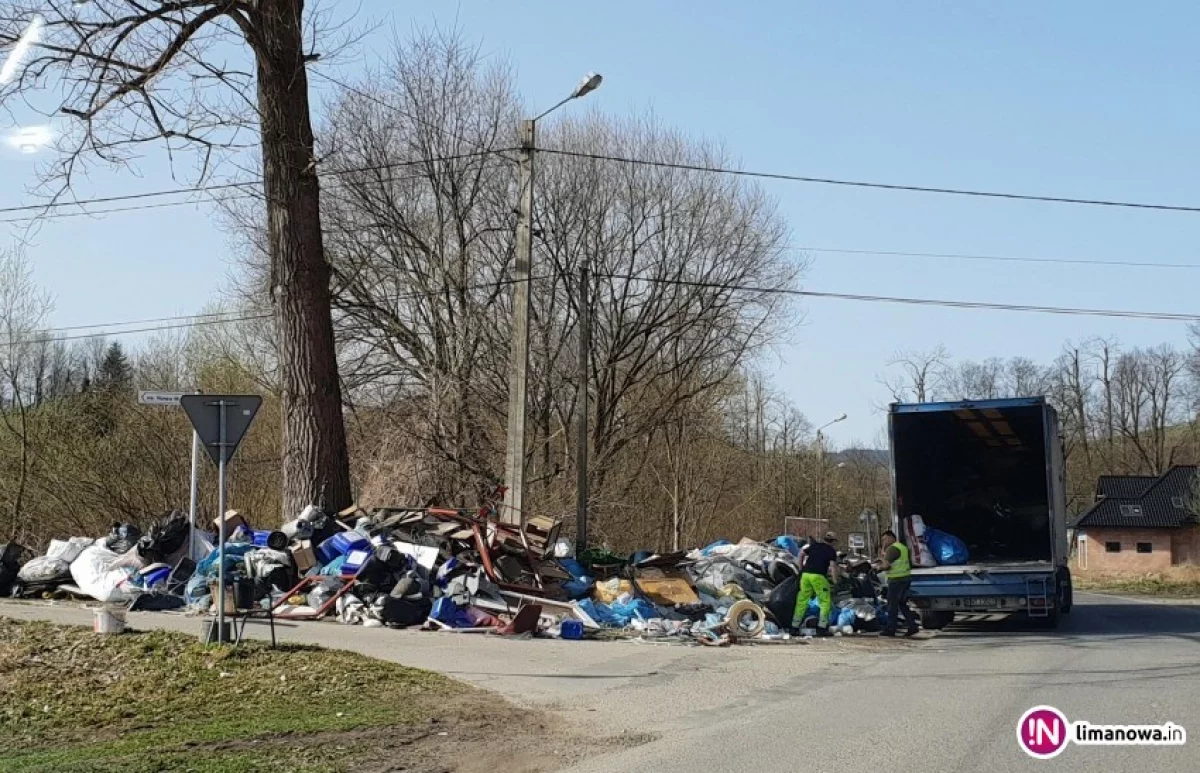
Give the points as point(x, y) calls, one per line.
point(821, 458)
point(518, 364)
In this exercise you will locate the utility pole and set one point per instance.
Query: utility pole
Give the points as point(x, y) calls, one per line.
point(518, 364)
point(513, 511)
point(581, 447)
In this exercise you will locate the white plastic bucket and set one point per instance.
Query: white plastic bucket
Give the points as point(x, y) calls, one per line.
point(108, 620)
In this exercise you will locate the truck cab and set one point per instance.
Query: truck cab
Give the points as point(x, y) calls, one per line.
point(989, 472)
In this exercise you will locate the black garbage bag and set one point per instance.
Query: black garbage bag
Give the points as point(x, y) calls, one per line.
point(165, 537)
point(403, 612)
point(781, 602)
point(11, 558)
point(122, 538)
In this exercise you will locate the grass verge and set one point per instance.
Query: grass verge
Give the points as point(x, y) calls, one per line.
point(153, 701)
point(1178, 582)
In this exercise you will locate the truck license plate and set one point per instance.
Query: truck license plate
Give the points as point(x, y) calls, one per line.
point(981, 602)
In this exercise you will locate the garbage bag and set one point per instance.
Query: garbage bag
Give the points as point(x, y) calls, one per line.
point(708, 551)
point(403, 612)
point(68, 550)
point(845, 617)
point(618, 614)
point(122, 538)
point(94, 575)
point(946, 548)
point(788, 543)
point(165, 537)
point(45, 570)
point(781, 602)
point(711, 575)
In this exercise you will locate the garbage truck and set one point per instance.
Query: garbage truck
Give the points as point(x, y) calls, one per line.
point(989, 473)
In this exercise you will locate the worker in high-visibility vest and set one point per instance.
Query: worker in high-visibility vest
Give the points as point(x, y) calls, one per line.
point(897, 562)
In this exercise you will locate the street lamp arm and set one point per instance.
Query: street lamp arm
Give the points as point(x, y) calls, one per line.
point(551, 110)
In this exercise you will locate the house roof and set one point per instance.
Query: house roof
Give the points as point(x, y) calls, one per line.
point(1124, 486)
point(1136, 501)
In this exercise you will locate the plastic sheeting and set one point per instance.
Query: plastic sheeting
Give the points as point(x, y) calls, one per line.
point(620, 613)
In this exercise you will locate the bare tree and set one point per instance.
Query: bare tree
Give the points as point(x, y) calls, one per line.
point(920, 374)
point(131, 73)
point(23, 310)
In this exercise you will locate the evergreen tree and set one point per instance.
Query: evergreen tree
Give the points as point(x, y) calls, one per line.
point(115, 373)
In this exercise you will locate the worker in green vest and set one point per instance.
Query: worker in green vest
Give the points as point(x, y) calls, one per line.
point(898, 565)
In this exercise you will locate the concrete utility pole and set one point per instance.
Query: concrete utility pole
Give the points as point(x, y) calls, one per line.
point(581, 451)
point(518, 365)
point(513, 511)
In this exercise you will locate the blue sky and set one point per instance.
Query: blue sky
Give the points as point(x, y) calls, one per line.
point(1094, 100)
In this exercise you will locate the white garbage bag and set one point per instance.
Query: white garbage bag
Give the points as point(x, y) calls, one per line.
point(94, 575)
point(68, 550)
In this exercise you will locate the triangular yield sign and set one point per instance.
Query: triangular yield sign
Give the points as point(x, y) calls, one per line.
point(205, 414)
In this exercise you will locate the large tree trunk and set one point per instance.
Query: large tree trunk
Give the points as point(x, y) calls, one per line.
point(316, 465)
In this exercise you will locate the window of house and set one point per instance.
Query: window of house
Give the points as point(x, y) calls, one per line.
point(1112, 547)
point(1145, 547)
point(1177, 502)
point(1131, 510)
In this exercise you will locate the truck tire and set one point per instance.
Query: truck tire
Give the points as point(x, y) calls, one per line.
point(936, 621)
point(1066, 591)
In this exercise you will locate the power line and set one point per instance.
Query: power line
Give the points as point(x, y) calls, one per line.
point(334, 185)
point(916, 301)
point(254, 182)
point(864, 184)
point(222, 317)
point(399, 111)
point(1002, 258)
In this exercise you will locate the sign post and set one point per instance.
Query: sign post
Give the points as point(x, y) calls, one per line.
point(171, 400)
point(221, 422)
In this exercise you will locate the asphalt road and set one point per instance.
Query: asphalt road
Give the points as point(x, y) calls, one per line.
point(945, 702)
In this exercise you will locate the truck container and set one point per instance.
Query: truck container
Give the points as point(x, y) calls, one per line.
point(989, 472)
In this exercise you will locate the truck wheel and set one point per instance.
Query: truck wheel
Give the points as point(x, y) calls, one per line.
point(935, 621)
point(1066, 591)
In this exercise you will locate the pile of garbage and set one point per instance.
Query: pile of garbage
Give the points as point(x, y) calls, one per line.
point(449, 570)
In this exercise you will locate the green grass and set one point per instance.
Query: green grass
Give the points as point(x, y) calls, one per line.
point(72, 700)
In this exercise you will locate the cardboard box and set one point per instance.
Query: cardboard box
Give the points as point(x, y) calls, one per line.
point(233, 521)
point(304, 556)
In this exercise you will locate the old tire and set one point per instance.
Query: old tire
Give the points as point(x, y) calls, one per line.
point(745, 620)
point(936, 621)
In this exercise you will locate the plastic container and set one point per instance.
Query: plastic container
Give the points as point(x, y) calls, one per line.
point(275, 540)
point(571, 629)
point(341, 544)
point(108, 620)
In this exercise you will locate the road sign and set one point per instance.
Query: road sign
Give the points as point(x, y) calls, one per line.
point(160, 398)
point(856, 540)
point(205, 412)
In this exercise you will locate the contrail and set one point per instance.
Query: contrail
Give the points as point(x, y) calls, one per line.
point(28, 39)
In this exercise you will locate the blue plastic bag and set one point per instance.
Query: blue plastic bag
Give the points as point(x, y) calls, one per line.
point(709, 550)
point(946, 548)
point(788, 543)
point(618, 615)
point(845, 617)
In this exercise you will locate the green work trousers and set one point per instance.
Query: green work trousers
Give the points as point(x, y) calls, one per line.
point(813, 585)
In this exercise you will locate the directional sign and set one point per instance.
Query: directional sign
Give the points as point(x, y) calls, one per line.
point(160, 398)
point(205, 413)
